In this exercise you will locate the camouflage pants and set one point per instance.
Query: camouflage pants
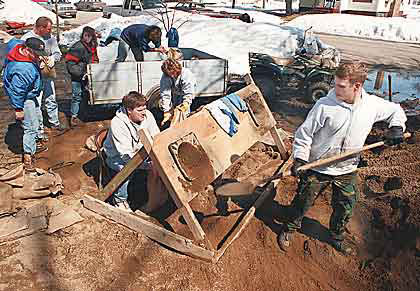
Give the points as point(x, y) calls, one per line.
point(344, 197)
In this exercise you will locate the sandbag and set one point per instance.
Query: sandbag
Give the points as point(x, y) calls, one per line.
point(39, 184)
point(6, 199)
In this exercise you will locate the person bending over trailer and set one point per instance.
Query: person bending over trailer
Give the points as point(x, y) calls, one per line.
point(137, 38)
point(337, 123)
point(177, 88)
point(122, 143)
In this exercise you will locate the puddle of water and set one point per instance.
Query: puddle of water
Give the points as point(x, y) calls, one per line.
point(405, 85)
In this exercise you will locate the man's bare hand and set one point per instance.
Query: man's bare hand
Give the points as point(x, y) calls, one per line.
point(19, 115)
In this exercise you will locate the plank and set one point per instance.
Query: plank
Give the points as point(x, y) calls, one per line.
point(151, 230)
point(187, 212)
point(250, 213)
point(244, 221)
point(217, 145)
point(279, 143)
point(121, 176)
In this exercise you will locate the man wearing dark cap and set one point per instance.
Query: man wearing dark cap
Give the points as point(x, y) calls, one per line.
point(23, 84)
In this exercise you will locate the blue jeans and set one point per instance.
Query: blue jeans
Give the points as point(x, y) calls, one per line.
point(77, 91)
point(121, 194)
point(50, 101)
point(30, 126)
point(123, 49)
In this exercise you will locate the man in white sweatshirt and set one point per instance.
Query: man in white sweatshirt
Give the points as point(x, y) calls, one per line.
point(337, 123)
point(42, 31)
point(122, 143)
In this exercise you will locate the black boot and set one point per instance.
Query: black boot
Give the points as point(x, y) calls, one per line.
point(341, 246)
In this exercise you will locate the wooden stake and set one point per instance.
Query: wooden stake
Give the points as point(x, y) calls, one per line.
point(390, 87)
point(57, 22)
point(186, 210)
point(121, 176)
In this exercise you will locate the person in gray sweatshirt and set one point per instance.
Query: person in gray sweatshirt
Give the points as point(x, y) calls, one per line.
point(337, 123)
point(123, 142)
point(42, 31)
point(177, 88)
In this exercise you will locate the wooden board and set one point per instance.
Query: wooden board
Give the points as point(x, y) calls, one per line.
point(151, 230)
point(220, 148)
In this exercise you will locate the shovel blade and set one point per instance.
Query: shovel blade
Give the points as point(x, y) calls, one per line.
point(235, 189)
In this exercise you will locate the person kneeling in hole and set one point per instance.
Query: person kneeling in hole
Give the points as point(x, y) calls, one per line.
point(177, 87)
point(122, 143)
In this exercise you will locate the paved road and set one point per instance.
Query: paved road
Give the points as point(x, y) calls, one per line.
point(391, 55)
point(83, 17)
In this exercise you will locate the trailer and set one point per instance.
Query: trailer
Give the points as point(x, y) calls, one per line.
point(109, 82)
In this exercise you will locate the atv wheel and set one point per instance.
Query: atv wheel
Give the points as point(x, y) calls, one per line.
point(316, 91)
point(267, 86)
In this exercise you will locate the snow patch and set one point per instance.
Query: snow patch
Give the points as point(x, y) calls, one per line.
point(391, 29)
point(24, 11)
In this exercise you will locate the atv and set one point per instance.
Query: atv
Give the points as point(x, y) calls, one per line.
point(312, 75)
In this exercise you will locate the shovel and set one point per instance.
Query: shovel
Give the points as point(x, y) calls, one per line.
point(247, 188)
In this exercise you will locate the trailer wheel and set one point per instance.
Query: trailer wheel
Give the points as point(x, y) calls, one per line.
point(316, 91)
point(153, 97)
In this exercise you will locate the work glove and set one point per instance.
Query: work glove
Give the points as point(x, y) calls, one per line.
point(394, 136)
point(19, 115)
point(183, 107)
point(50, 61)
point(297, 163)
point(167, 116)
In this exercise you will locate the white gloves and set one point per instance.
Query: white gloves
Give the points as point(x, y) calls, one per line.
point(50, 61)
point(47, 61)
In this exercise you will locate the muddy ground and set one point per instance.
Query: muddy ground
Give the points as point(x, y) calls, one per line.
point(97, 254)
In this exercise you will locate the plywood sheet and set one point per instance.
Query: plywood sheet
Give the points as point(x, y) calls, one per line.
point(220, 148)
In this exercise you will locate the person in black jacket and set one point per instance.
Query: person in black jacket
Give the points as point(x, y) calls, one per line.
point(137, 38)
point(79, 55)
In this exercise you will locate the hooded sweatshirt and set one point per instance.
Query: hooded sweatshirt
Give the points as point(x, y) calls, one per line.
point(122, 141)
point(174, 92)
point(51, 45)
point(21, 78)
point(334, 127)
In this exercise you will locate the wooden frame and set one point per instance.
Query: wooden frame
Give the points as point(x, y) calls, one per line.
point(252, 127)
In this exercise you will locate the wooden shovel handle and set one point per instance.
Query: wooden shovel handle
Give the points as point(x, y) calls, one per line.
point(323, 162)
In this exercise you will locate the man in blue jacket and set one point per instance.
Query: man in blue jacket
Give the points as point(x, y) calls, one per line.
point(137, 38)
point(23, 84)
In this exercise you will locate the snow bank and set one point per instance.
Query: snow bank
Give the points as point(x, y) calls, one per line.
point(24, 11)
point(391, 29)
point(231, 39)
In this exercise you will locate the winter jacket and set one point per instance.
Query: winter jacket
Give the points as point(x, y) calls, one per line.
point(21, 78)
point(10, 45)
point(135, 36)
point(174, 92)
point(122, 141)
point(77, 58)
point(333, 127)
point(51, 45)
